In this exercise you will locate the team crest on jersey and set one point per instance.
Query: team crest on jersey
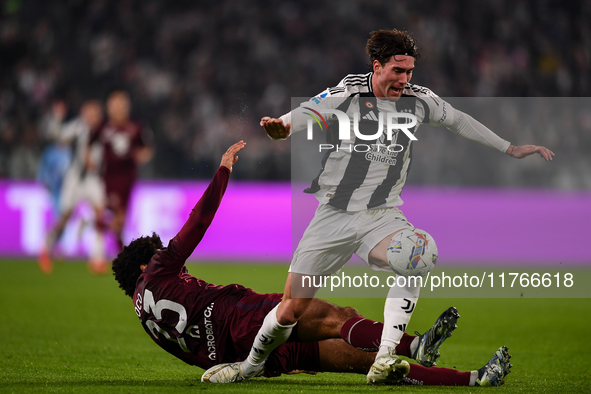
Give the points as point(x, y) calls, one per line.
point(369, 104)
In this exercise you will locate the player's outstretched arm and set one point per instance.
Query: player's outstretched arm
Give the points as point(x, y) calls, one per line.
point(275, 128)
point(229, 158)
point(519, 152)
point(207, 206)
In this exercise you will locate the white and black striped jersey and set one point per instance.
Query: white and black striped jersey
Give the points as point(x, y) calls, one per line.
point(358, 174)
point(77, 133)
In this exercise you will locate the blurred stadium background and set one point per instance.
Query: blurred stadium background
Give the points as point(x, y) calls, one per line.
point(201, 75)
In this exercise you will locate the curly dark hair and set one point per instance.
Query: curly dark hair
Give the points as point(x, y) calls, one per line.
point(383, 44)
point(126, 266)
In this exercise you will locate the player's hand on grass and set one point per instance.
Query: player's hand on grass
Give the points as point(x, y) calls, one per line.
point(229, 158)
point(519, 152)
point(275, 128)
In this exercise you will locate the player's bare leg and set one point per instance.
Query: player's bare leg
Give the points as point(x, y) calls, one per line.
point(117, 225)
point(398, 310)
point(97, 263)
point(338, 356)
point(323, 320)
point(294, 303)
point(45, 262)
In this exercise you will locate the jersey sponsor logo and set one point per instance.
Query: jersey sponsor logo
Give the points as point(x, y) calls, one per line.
point(379, 158)
point(384, 154)
point(209, 334)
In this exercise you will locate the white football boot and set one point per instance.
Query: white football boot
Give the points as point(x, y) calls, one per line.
point(388, 369)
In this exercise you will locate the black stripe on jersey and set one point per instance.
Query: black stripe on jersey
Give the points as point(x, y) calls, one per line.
point(336, 90)
point(357, 84)
point(358, 165)
point(332, 137)
point(349, 81)
point(351, 77)
point(355, 79)
point(369, 82)
point(425, 107)
point(354, 175)
point(382, 192)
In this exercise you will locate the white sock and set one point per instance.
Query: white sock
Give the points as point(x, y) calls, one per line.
point(414, 345)
point(270, 336)
point(98, 246)
point(473, 377)
point(398, 310)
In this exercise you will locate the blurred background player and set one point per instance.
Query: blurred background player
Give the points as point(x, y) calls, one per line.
point(55, 159)
point(80, 183)
point(124, 150)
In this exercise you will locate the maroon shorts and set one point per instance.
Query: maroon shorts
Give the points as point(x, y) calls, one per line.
point(118, 190)
point(247, 319)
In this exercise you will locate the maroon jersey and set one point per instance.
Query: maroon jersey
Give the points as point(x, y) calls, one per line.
point(119, 144)
point(186, 316)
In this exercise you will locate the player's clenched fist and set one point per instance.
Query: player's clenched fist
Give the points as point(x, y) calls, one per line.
point(229, 158)
point(275, 128)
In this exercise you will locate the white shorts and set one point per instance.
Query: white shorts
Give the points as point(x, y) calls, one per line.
point(334, 235)
point(74, 189)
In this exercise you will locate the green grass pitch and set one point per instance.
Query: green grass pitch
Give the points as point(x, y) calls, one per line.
point(73, 332)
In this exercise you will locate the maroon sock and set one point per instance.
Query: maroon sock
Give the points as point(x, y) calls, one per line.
point(436, 376)
point(366, 334)
point(403, 348)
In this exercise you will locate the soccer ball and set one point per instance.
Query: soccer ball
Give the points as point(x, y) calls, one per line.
point(412, 252)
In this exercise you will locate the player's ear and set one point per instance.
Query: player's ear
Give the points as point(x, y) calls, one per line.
point(377, 66)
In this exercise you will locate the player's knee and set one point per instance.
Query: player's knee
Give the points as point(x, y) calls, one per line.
point(286, 317)
point(290, 311)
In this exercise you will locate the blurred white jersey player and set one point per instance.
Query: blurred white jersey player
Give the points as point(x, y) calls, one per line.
point(358, 192)
point(81, 183)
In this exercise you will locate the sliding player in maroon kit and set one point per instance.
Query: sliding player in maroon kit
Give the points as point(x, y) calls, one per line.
point(204, 324)
point(124, 150)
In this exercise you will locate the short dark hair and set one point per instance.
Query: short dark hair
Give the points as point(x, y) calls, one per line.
point(126, 266)
point(383, 44)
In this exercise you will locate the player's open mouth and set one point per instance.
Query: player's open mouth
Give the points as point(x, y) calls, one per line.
point(395, 92)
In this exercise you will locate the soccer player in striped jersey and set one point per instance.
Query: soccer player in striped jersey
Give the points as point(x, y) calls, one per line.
point(80, 184)
point(359, 191)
